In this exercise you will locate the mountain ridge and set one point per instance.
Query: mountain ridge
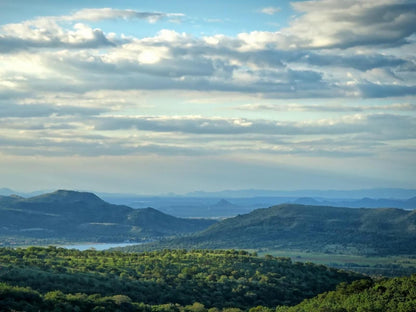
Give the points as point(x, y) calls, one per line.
point(79, 216)
point(310, 228)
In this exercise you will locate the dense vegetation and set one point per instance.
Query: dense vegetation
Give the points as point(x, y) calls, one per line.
point(308, 228)
point(392, 295)
point(77, 216)
point(212, 278)
point(375, 266)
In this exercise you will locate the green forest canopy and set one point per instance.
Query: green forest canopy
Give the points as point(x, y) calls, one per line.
point(213, 278)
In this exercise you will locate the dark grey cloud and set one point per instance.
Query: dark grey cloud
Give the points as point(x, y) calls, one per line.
point(280, 58)
point(361, 61)
point(395, 22)
point(372, 90)
point(331, 24)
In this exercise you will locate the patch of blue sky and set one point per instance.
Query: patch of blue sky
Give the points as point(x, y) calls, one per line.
point(200, 18)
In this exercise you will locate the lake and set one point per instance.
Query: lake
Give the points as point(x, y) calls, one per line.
point(98, 246)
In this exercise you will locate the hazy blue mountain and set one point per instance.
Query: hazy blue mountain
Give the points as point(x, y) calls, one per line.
point(361, 203)
point(70, 215)
point(7, 192)
point(334, 194)
point(215, 206)
point(4, 191)
point(313, 228)
point(232, 206)
point(192, 207)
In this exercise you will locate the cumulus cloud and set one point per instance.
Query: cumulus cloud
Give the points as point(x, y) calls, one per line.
point(172, 60)
point(326, 52)
point(331, 24)
point(47, 32)
point(43, 33)
point(283, 64)
point(338, 82)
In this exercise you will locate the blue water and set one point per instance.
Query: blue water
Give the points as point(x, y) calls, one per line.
point(98, 246)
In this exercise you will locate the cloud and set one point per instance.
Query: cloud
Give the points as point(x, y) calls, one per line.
point(327, 108)
point(331, 24)
point(36, 129)
point(47, 32)
point(44, 110)
point(43, 33)
point(284, 64)
point(270, 10)
point(357, 136)
point(376, 90)
point(360, 61)
point(96, 14)
point(358, 123)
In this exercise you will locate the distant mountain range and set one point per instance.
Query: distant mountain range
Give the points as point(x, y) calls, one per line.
point(231, 203)
point(81, 216)
point(360, 203)
point(309, 228)
point(398, 193)
point(220, 207)
point(375, 193)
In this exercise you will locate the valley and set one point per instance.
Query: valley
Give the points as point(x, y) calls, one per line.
point(288, 257)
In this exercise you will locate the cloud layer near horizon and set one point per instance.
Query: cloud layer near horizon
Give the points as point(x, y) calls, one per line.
point(338, 82)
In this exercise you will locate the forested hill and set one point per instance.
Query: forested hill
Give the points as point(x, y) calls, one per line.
point(313, 228)
point(392, 295)
point(81, 216)
point(58, 279)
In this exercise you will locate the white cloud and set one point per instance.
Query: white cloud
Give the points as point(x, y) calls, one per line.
point(45, 33)
point(270, 10)
point(67, 88)
point(71, 131)
point(249, 63)
point(96, 14)
point(327, 108)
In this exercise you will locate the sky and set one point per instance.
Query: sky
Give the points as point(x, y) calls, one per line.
point(153, 97)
